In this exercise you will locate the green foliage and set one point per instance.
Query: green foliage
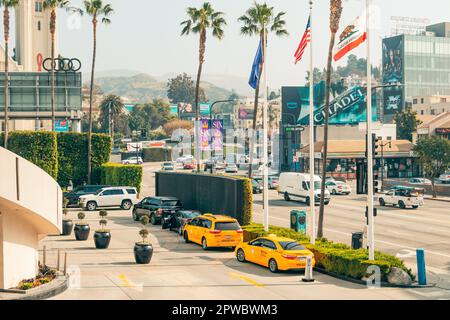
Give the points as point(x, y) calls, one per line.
point(156, 154)
point(181, 89)
point(72, 156)
point(407, 123)
point(121, 175)
point(334, 257)
point(434, 156)
point(38, 147)
point(150, 116)
point(248, 201)
point(144, 220)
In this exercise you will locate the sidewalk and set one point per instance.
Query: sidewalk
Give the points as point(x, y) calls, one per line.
point(439, 198)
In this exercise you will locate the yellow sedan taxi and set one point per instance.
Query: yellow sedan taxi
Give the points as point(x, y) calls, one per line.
point(210, 230)
point(276, 253)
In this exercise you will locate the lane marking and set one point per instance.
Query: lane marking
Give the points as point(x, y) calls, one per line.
point(238, 276)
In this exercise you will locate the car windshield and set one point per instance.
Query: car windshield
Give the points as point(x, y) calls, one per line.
point(316, 185)
point(171, 203)
point(190, 215)
point(98, 192)
point(167, 164)
point(232, 225)
point(291, 246)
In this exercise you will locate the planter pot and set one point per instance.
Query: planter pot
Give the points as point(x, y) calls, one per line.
point(143, 253)
point(82, 232)
point(67, 227)
point(102, 239)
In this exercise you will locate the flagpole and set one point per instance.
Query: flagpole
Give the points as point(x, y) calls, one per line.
point(311, 132)
point(265, 139)
point(370, 204)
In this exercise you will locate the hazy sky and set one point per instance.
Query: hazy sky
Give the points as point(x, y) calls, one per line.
point(145, 36)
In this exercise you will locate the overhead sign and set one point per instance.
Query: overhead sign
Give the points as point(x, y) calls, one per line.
point(62, 126)
point(393, 60)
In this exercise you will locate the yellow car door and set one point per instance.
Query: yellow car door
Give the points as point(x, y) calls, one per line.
point(253, 251)
point(268, 251)
point(202, 229)
point(191, 229)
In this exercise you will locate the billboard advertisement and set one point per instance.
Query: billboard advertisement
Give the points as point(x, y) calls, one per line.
point(62, 125)
point(393, 100)
point(211, 134)
point(393, 60)
point(348, 108)
point(245, 113)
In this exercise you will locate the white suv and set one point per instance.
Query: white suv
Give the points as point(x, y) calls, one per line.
point(133, 160)
point(123, 197)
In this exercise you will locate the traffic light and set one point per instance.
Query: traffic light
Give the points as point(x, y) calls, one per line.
point(143, 133)
point(375, 144)
point(376, 182)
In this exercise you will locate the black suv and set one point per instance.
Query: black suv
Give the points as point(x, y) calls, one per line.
point(156, 208)
point(74, 195)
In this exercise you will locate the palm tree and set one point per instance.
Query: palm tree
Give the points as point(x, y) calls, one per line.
point(52, 5)
point(111, 107)
point(200, 20)
point(259, 20)
point(7, 5)
point(335, 17)
point(97, 10)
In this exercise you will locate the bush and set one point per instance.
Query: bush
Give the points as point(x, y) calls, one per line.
point(38, 147)
point(155, 155)
point(121, 175)
point(333, 257)
point(248, 201)
point(72, 156)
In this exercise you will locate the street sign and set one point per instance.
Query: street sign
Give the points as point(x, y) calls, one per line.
point(292, 128)
point(61, 126)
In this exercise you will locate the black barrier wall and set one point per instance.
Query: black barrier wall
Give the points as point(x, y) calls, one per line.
point(207, 193)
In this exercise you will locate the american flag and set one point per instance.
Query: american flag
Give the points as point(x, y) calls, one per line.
point(304, 43)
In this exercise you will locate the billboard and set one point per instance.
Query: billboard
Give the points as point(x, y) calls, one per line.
point(187, 110)
point(246, 113)
point(62, 125)
point(393, 60)
point(348, 108)
point(211, 134)
point(393, 100)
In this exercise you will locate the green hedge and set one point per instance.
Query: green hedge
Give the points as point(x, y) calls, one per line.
point(38, 147)
point(248, 201)
point(121, 175)
point(72, 156)
point(155, 154)
point(334, 257)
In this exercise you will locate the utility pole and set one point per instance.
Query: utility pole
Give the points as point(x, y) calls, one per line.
point(265, 140)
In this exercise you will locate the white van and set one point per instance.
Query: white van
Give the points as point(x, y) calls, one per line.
point(295, 186)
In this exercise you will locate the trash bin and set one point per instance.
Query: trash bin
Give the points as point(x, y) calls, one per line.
point(298, 221)
point(357, 240)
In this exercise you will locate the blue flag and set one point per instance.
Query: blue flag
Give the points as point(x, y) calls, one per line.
point(254, 75)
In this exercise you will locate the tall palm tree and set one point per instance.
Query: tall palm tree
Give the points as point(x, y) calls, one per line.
point(97, 10)
point(52, 6)
point(260, 20)
point(7, 5)
point(200, 20)
point(111, 107)
point(335, 17)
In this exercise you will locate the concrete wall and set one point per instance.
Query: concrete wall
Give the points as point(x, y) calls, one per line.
point(30, 209)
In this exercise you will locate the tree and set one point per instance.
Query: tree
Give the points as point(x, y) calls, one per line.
point(150, 116)
point(97, 10)
point(173, 125)
point(407, 123)
point(52, 6)
point(260, 20)
point(7, 5)
point(335, 17)
point(434, 157)
point(111, 107)
point(181, 89)
point(200, 20)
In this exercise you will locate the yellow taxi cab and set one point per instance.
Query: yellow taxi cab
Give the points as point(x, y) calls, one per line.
point(210, 230)
point(276, 253)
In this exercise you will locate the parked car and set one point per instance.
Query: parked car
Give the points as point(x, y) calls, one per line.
point(445, 177)
point(272, 181)
point(116, 150)
point(75, 195)
point(256, 187)
point(329, 178)
point(156, 208)
point(231, 168)
point(276, 253)
point(184, 159)
point(295, 186)
point(402, 197)
point(421, 181)
point(167, 166)
point(177, 221)
point(123, 197)
point(210, 230)
point(338, 187)
point(133, 160)
point(220, 165)
point(188, 165)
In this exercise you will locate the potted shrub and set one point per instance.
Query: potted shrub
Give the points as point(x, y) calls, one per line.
point(67, 224)
point(102, 237)
point(82, 228)
point(143, 251)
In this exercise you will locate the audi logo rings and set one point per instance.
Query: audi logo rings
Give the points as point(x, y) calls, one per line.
point(62, 65)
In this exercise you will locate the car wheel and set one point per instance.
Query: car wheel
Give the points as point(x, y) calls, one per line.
point(401, 204)
point(91, 206)
point(204, 244)
point(126, 205)
point(135, 216)
point(240, 255)
point(333, 192)
point(153, 220)
point(382, 203)
point(186, 237)
point(286, 197)
point(273, 266)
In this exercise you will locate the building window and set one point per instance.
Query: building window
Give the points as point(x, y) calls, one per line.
point(433, 112)
point(443, 100)
point(39, 26)
point(422, 101)
point(38, 7)
point(421, 112)
point(414, 101)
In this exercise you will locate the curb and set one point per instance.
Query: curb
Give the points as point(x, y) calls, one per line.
point(364, 283)
point(57, 286)
point(437, 199)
